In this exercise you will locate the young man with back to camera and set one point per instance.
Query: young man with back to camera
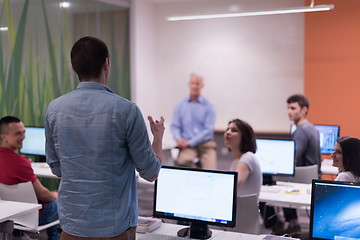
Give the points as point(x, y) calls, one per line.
point(95, 140)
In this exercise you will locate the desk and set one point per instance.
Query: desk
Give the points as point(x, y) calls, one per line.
point(10, 209)
point(172, 229)
point(302, 199)
point(42, 169)
point(328, 168)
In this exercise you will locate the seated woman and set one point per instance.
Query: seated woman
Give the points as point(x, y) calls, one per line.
point(346, 157)
point(239, 137)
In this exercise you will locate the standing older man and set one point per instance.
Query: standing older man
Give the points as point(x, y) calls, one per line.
point(193, 128)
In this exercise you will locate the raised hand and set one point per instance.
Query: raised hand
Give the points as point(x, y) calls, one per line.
point(157, 127)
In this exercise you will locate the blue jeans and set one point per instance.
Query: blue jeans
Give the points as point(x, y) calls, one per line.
point(49, 215)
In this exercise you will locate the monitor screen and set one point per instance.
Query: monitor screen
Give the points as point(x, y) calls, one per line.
point(198, 196)
point(34, 142)
point(276, 156)
point(292, 128)
point(328, 136)
point(335, 210)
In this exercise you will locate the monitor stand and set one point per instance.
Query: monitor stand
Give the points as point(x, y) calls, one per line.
point(268, 180)
point(36, 158)
point(197, 231)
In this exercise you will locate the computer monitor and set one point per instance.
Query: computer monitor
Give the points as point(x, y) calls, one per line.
point(34, 142)
point(276, 157)
point(335, 210)
point(328, 137)
point(292, 128)
point(198, 196)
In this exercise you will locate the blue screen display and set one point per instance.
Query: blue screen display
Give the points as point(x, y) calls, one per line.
point(335, 210)
point(328, 136)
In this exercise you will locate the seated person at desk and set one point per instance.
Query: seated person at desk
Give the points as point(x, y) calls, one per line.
point(15, 168)
point(239, 137)
point(346, 157)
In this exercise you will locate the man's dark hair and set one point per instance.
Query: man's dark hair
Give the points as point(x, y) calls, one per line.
point(350, 147)
point(248, 140)
point(300, 99)
point(88, 56)
point(6, 121)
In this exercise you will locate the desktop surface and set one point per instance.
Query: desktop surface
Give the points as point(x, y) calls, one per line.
point(286, 194)
point(328, 168)
point(11, 209)
point(42, 169)
point(168, 229)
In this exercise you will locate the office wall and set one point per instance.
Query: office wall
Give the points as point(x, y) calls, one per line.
point(250, 65)
point(332, 65)
point(143, 66)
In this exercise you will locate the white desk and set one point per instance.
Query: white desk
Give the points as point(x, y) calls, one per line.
point(10, 209)
point(328, 168)
point(42, 169)
point(282, 198)
point(172, 229)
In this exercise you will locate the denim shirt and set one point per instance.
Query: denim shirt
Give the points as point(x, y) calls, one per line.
point(193, 121)
point(94, 141)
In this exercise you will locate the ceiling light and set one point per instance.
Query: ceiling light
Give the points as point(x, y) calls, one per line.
point(311, 8)
point(64, 4)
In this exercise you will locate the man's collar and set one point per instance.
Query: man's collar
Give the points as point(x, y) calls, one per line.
point(301, 122)
point(93, 85)
point(7, 149)
point(199, 100)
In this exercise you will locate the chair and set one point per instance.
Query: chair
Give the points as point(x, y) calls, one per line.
point(24, 192)
point(303, 174)
point(175, 154)
point(247, 215)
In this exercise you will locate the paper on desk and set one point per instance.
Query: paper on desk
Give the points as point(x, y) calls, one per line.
point(274, 237)
point(293, 191)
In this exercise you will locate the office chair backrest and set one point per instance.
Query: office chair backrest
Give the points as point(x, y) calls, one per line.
point(22, 192)
point(247, 215)
point(303, 174)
